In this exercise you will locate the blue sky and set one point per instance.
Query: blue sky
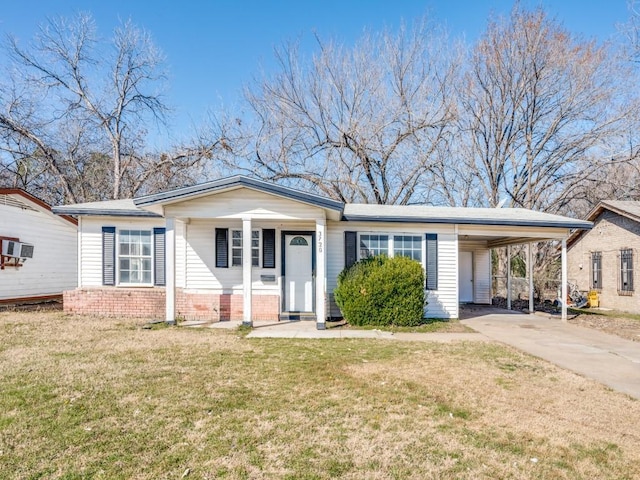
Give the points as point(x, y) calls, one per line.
point(214, 47)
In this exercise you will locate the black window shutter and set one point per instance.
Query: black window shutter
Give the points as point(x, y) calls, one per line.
point(222, 247)
point(108, 255)
point(269, 248)
point(350, 248)
point(159, 268)
point(432, 261)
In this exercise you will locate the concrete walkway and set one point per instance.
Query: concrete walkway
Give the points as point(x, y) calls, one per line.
point(306, 329)
point(608, 359)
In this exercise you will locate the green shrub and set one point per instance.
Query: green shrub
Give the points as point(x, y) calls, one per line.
point(382, 291)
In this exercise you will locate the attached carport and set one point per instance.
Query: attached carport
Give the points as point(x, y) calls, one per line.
point(479, 230)
point(498, 228)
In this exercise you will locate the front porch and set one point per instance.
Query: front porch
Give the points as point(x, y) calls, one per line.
point(273, 276)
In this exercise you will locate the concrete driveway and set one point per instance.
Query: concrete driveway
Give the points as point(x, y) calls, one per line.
point(606, 358)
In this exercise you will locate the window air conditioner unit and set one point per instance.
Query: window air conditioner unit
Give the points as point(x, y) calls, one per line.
point(26, 250)
point(11, 248)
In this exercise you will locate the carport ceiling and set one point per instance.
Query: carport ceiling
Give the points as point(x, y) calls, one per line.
point(496, 242)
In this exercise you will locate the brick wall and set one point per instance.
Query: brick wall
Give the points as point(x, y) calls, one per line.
point(112, 302)
point(216, 307)
point(150, 303)
point(611, 233)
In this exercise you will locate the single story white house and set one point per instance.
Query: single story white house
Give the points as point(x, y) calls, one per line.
point(244, 249)
point(38, 249)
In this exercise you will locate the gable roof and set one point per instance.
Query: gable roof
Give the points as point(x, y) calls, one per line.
point(459, 215)
point(626, 208)
point(151, 206)
point(28, 201)
point(238, 181)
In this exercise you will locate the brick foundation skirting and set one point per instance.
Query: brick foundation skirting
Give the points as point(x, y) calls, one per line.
point(150, 303)
point(222, 307)
point(116, 302)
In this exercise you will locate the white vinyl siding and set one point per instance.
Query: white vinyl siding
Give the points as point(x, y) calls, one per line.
point(53, 268)
point(91, 243)
point(181, 247)
point(201, 272)
point(443, 302)
point(244, 202)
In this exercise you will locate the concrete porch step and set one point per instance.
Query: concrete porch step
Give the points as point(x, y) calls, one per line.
point(295, 316)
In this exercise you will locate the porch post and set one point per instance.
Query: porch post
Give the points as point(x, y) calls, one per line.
point(170, 266)
point(530, 268)
point(508, 277)
point(320, 274)
point(564, 280)
point(247, 319)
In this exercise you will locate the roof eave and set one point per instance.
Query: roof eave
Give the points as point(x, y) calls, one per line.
point(578, 224)
point(604, 205)
point(36, 201)
point(104, 212)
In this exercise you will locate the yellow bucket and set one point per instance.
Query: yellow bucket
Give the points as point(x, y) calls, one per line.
point(592, 297)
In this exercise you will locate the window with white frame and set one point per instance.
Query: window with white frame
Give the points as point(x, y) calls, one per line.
point(392, 245)
point(236, 248)
point(373, 244)
point(408, 246)
point(135, 257)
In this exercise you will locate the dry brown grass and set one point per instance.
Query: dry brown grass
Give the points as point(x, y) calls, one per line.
point(102, 398)
point(615, 323)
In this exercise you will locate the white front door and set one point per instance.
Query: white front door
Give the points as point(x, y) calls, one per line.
point(465, 276)
point(298, 275)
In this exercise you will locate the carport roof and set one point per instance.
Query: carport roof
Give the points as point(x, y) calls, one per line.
point(516, 217)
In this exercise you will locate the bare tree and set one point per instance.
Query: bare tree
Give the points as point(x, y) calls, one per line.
point(540, 111)
point(75, 114)
point(360, 124)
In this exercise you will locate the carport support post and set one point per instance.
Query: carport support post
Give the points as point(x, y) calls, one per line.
point(530, 267)
point(508, 277)
point(246, 273)
point(564, 280)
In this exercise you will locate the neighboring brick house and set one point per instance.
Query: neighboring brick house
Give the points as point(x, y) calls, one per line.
point(604, 259)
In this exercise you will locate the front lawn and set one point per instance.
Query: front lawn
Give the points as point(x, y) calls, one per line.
point(103, 398)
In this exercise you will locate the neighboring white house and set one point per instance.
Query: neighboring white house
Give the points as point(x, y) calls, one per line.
point(39, 249)
point(182, 253)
